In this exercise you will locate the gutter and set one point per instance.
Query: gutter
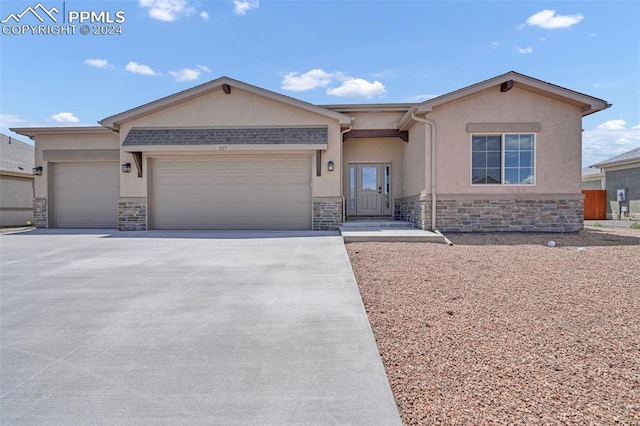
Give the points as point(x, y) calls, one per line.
point(432, 125)
point(344, 201)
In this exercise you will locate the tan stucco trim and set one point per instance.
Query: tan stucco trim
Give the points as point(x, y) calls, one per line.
point(133, 199)
point(25, 175)
point(503, 127)
point(115, 121)
point(587, 103)
point(58, 155)
point(224, 148)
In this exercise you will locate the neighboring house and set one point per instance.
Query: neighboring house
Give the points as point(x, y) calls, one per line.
point(622, 173)
point(592, 178)
point(16, 181)
point(500, 155)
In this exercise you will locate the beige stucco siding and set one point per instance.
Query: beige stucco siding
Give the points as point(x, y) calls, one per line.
point(558, 144)
point(377, 150)
point(16, 200)
point(375, 120)
point(415, 160)
point(237, 109)
point(68, 142)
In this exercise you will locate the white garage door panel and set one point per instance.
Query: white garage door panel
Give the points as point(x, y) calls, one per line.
point(85, 195)
point(232, 193)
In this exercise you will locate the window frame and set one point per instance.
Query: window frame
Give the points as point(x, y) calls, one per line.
point(502, 183)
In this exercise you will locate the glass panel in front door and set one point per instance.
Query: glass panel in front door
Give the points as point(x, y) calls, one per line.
point(369, 195)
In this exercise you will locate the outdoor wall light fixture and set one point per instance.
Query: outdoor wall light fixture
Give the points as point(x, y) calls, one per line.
point(126, 168)
point(37, 171)
point(330, 166)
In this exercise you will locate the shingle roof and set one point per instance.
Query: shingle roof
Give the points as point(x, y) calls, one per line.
point(627, 157)
point(224, 136)
point(15, 156)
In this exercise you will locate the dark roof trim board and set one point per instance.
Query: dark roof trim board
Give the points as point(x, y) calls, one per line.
point(228, 136)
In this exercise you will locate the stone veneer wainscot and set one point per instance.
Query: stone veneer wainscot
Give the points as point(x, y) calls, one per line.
point(327, 213)
point(40, 213)
point(544, 215)
point(132, 214)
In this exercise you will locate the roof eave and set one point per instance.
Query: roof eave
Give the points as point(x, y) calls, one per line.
point(625, 162)
point(31, 132)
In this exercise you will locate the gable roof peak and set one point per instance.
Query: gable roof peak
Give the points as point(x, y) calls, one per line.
point(506, 81)
point(227, 84)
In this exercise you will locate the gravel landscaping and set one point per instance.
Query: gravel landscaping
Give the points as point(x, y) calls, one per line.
point(501, 328)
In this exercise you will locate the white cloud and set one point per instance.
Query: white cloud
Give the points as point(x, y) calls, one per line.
point(603, 143)
point(98, 63)
point(65, 117)
point(593, 35)
point(297, 82)
point(203, 68)
point(612, 125)
point(524, 50)
point(636, 127)
point(204, 15)
point(495, 44)
point(137, 68)
point(186, 74)
point(358, 87)
point(542, 39)
point(167, 10)
point(349, 86)
point(7, 120)
point(548, 19)
point(241, 7)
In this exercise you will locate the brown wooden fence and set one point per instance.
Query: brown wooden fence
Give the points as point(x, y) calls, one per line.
point(595, 204)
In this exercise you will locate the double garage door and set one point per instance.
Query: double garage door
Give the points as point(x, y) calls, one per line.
point(230, 192)
point(234, 192)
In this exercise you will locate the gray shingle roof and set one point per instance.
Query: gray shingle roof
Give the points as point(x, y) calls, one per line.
point(15, 156)
point(628, 156)
point(224, 136)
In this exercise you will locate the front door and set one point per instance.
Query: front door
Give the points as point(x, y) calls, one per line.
point(369, 189)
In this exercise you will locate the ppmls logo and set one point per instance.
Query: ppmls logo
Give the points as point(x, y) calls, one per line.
point(102, 22)
point(34, 11)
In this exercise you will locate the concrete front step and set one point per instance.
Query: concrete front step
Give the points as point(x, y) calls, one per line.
point(357, 224)
point(386, 234)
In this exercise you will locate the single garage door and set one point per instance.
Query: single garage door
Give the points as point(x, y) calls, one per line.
point(231, 192)
point(85, 195)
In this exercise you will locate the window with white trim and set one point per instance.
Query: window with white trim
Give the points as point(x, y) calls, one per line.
point(504, 159)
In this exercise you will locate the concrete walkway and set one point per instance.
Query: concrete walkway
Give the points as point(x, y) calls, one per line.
point(235, 328)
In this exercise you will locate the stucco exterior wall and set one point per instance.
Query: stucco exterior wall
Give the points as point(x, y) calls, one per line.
point(375, 120)
point(415, 160)
point(67, 142)
point(16, 200)
point(558, 144)
point(237, 109)
point(592, 184)
point(376, 150)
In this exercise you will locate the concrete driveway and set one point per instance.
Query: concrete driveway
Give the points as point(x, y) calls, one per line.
point(259, 328)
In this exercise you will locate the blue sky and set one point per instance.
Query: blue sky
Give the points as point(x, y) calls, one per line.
point(324, 52)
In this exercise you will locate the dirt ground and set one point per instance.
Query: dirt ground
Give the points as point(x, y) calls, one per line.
point(501, 328)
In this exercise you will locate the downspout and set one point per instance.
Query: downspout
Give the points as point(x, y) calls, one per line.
point(432, 125)
point(344, 202)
